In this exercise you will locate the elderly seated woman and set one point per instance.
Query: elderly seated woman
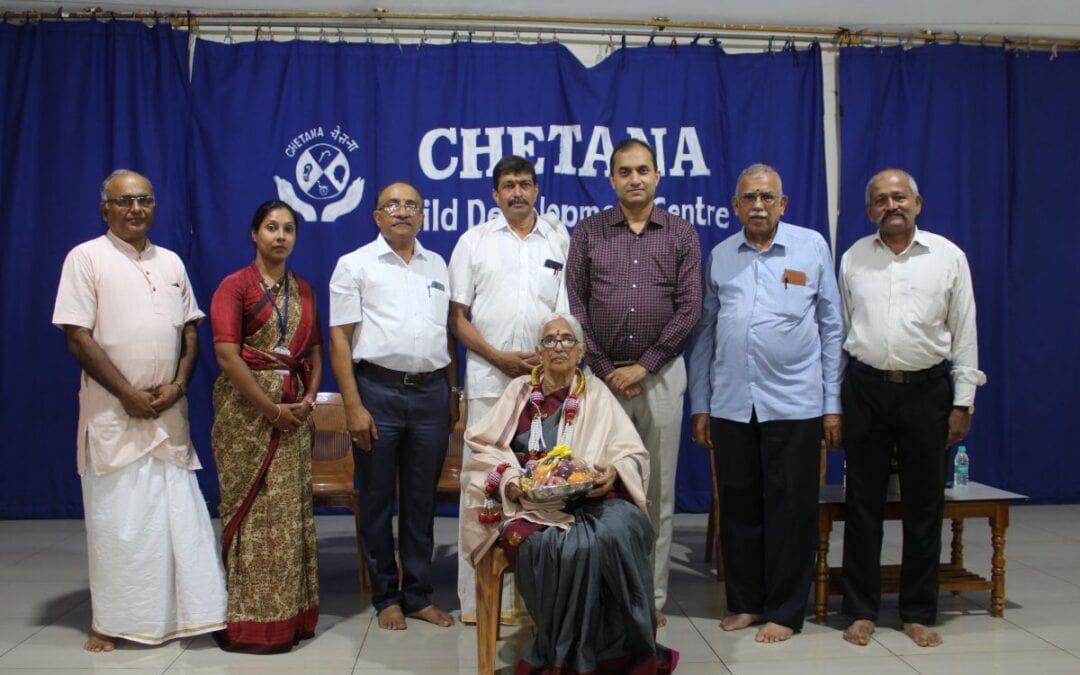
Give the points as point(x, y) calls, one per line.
point(582, 566)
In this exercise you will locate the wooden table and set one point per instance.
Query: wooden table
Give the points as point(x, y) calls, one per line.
point(974, 501)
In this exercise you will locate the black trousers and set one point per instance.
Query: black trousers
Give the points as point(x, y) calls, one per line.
point(915, 418)
point(768, 477)
point(414, 430)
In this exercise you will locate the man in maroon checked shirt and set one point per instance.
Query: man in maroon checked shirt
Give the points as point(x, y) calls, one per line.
point(634, 281)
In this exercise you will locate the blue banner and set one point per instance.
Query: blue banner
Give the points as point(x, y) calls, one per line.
point(941, 114)
point(79, 100)
point(326, 125)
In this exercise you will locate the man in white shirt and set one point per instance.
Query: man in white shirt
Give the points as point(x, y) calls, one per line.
point(391, 356)
point(909, 311)
point(127, 310)
point(506, 275)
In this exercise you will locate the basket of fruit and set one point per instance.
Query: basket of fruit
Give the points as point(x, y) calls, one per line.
point(557, 475)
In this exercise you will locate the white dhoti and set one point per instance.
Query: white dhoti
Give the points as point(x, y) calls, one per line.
point(155, 573)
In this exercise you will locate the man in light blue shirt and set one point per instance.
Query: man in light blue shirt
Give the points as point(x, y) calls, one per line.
point(765, 373)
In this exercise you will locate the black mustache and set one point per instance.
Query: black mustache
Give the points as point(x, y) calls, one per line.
point(890, 214)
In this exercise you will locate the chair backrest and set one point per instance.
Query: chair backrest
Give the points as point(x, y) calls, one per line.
point(331, 454)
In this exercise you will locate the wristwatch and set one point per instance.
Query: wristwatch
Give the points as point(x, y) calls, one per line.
point(969, 409)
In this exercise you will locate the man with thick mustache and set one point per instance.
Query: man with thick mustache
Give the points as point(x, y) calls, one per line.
point(392, 358)
point(909, 311)
point(506, 275)
point(764, 389)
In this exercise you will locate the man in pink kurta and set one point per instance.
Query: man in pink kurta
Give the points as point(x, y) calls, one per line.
point(128, 313)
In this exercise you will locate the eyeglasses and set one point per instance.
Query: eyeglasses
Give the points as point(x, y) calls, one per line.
point(126, 201)
point(410, 208)
point(750, 198)
point(553, 341)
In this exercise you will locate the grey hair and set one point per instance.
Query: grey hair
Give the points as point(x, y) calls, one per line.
point(759, 168)
point(117, 174)
point(575, 326)
point(911, 182)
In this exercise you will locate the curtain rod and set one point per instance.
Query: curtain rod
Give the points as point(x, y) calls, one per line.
point(381, 19)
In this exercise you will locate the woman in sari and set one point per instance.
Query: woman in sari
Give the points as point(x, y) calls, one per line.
point(267, 342)
point(582, 566)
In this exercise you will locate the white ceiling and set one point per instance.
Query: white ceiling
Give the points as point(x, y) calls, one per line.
point(1044, 18)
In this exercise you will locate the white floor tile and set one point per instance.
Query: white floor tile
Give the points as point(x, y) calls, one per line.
point(963, 634)
point(62, 647)
point(1046, 662)
point(44, 613)
point(889, 665)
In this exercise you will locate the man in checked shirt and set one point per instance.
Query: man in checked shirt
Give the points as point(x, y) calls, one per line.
point(634, 282)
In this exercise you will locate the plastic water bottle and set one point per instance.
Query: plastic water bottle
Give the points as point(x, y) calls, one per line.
point(961, 467)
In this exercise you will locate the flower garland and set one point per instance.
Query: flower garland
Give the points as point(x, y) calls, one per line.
point(491, 511)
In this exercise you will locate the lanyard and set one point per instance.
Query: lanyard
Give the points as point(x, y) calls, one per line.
point(283, 318)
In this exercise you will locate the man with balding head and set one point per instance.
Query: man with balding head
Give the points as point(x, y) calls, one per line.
point(392, 359)
point(909, 312)
point(764, 390)
point(129, 315)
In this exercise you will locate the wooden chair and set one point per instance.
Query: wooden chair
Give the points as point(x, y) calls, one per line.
point(448, 489)
point(332, 468)
point(489, 586)
point(712, 530)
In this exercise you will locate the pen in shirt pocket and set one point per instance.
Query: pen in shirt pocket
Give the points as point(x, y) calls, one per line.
point(554, 265)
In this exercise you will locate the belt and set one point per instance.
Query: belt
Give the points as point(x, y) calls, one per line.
point(377, 372)
point(900, 376)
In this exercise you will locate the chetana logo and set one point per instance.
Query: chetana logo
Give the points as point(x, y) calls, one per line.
point(322, 173)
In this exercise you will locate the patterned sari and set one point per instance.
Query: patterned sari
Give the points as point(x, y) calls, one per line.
point(268, 538)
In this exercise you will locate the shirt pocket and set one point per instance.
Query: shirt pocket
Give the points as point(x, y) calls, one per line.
point(548, 281)
point(438, 303)
point(795, 300)
point(926, 303)
point(169, 303)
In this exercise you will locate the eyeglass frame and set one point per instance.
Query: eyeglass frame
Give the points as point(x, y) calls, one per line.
point(559, 341)
point(751, 198)
point(127, 201)
point(393, 206)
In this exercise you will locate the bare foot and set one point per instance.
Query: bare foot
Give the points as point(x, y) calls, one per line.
point(391, 618)
point(740, 621)
point(433, 614)
point(99, 642)
point(859, 632)
point(661, 619)
point(922, 635)
point(773, 632)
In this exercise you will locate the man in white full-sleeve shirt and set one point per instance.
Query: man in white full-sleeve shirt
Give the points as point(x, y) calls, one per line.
point(506, 275)
point(909, 311)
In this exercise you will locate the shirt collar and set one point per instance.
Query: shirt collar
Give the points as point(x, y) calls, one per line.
point(542, 226)
point(382, 247)
point(782, 238)
point(128, 248)
point(653, 220)
point(919, 239)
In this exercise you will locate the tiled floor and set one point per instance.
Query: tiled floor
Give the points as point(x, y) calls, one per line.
point(45, 611)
